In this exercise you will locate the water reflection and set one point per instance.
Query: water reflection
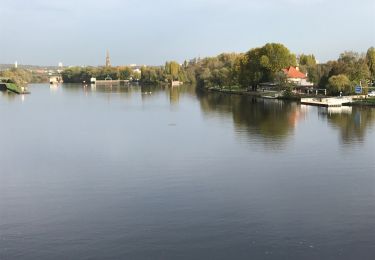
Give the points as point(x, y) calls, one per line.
point(352, 123)
point(108, 88)
point(269, 122)
point(54, 87)
point(95, 176)
point(147, 92)
point(174, 95)
point(10, 96)
point(70, 88)
point(272, 120)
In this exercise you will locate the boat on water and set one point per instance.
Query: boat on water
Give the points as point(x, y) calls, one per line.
point(11, 85)
point(271, 95)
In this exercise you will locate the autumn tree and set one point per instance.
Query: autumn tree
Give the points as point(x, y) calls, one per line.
point(353, 65)
point(172, 70)
point(307, 64)
point(339, 83)
point(125, 73)
point(276, 57)
point(262, 64)
point(370, 59)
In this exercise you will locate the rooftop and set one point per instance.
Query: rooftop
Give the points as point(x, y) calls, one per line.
point(292, 72)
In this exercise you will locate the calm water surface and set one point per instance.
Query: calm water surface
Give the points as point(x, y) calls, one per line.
point(153, 173)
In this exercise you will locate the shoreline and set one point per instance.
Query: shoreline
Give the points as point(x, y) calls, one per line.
point(357, 103)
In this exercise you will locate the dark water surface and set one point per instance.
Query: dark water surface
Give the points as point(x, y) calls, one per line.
point(158, 173)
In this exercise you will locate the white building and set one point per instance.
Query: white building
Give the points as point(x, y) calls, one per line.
point(297, 77)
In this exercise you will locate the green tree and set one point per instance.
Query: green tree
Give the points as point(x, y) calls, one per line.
point(323, 71)
point(262, 64)
point(284, 85)
point(20, 76)
point(219, 71)
point(353, 65)
point(307, 64)
point(172, 70)
point(152, 75)
point(104, 72)
point(251, 72)
point(125, 73)
point(276, 57)
point(307, 60)
point(136, 75)
point(370, 59)
point(339, 83)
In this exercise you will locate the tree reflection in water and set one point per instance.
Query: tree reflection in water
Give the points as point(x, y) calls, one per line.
point(352, 123)
point(273, 121)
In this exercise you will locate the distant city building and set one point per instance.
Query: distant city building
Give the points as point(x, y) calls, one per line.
point(107, 60)
point(60, 64)
point(16, 64)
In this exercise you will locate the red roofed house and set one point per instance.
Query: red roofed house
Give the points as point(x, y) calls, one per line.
point(297, 77)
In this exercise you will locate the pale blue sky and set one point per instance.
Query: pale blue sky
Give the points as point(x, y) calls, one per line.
point(77, 32)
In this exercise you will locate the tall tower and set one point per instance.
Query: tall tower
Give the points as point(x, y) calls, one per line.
point(107, 60)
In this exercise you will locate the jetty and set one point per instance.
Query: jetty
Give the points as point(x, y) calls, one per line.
point(10, 85)
point(271, 94)
point(327, 101)
point(108, 82)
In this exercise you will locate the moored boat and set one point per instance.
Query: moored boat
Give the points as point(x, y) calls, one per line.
point(11, 85)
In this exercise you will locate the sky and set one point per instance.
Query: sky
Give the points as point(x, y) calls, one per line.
point(78, 32)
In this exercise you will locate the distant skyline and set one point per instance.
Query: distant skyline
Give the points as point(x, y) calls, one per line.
point(78, 32)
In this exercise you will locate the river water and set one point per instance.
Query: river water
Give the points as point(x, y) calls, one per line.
point(154, 173)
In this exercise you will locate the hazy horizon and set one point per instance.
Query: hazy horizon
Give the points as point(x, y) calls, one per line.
point(42, 32)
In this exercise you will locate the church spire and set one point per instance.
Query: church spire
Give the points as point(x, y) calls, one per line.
point(107, 60)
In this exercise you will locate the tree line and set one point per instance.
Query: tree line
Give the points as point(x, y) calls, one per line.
point(84, 74)
point(265, 64)
point(235, 70)
point(23, 76)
